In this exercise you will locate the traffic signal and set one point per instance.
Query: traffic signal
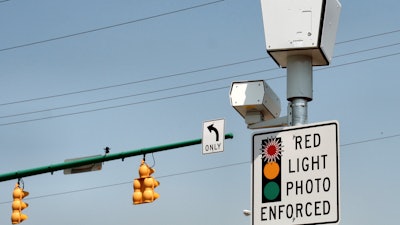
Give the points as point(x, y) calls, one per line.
point(143, 187)
point(271, 166)
point(18, 205)
point(271, 182)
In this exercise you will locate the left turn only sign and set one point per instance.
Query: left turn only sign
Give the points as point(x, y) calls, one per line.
point(213, 136)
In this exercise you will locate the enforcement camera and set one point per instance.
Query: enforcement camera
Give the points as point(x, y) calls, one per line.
point(255, 101)
point(300, 27)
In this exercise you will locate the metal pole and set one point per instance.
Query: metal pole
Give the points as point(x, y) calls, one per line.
point(299, 87)
point(98, 159)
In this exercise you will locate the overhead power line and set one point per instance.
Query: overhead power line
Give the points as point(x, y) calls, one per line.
point(133, 82)
point(371, 140)
point(109, 27)
point(359, 61)
point(112, 107)
point(143, 93)
point(367, 50)
point(182, 95)
point(367, 37)
point(164, 98)
point(129, 182)
point(197, 70)
point(191, 171)
point(159, 78)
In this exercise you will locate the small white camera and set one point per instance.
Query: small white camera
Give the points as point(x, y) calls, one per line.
point(255, 101)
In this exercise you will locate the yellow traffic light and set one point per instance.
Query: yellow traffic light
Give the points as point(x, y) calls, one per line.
point(138, 189)
point(18, 205)
point(149, 195)
point(144, 185)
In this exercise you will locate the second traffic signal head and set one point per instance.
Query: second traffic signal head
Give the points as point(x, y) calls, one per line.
point(18, 205)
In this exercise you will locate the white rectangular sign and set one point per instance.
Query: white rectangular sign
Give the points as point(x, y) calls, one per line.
point(213, 136)
point(296, 175)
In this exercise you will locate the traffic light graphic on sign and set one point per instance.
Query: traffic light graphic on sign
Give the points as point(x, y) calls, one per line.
point(143, 187)
point(18, 205)
point(271, 154)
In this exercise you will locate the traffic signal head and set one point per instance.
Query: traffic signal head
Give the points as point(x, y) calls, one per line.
point(18, 205)
point(143, 187)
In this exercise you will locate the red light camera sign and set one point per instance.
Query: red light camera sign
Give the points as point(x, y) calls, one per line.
point(296, 175)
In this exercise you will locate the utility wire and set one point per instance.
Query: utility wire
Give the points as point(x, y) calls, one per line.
point(112, 107)
point(371, 140)
point(198, 70)
point(191, 171)
point(177, 87)
point(134, 82)
point(143, 93)
point(367, 50)
point(367, 37)
point(109, 27)
point(359, 61)
point(129, 182)
point(179, 95)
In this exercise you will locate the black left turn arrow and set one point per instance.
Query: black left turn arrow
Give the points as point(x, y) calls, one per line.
point(212, 128)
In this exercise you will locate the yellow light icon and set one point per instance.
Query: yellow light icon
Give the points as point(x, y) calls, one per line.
point(18, 205)
point(271, 170)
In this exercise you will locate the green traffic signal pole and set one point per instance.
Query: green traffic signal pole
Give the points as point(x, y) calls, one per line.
point(98, 159)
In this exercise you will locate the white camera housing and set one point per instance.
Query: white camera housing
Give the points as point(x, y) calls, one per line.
point(300, 27)
point(255, 101)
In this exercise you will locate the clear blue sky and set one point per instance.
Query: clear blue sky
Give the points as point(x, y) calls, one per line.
point(46, 51)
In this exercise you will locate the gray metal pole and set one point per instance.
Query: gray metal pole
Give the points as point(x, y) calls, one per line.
point(299, 87)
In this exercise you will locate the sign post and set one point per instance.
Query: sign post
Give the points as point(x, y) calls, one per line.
point(296, 175)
